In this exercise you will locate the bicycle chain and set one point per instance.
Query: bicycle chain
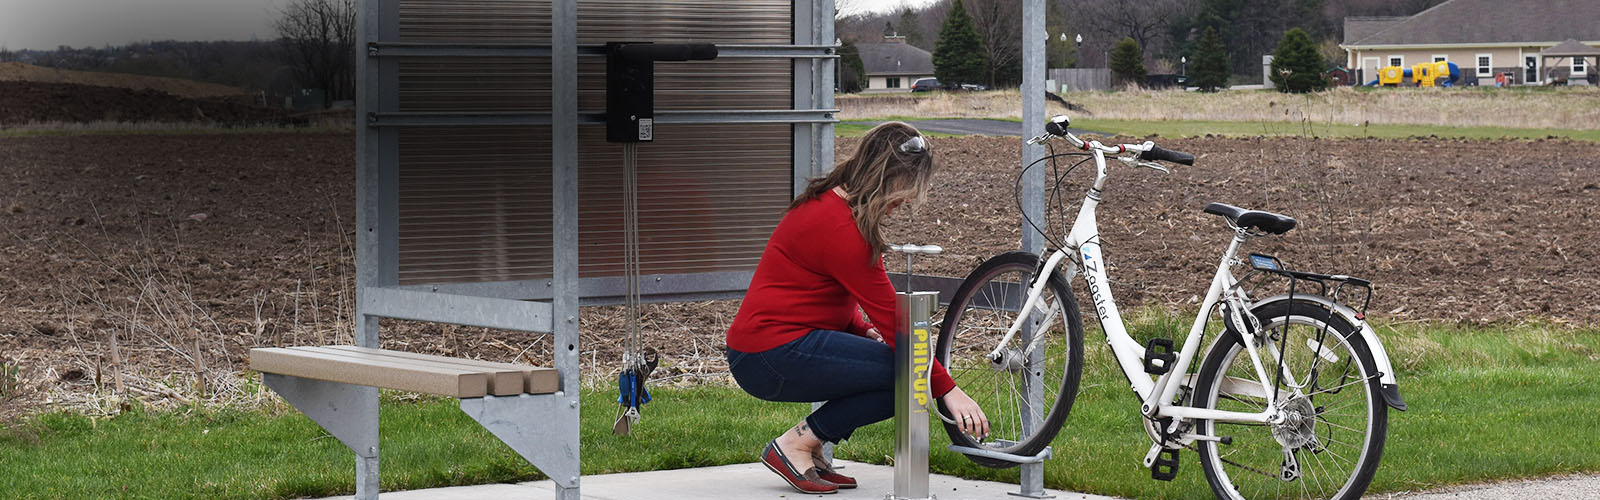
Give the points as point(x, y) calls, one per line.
point(1191, 447)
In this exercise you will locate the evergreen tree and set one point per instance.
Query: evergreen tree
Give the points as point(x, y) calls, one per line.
point(958, 57)
point(852, 72)
point(1210, 62)
point(911, 28)
point(1058, 53)
point(1127, 62)
point(1296, 65)
point(888, 28)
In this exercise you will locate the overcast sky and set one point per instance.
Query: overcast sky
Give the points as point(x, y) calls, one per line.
point(46, 24)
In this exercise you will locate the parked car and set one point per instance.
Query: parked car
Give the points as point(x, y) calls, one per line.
point(925, 85)
point(974, 86)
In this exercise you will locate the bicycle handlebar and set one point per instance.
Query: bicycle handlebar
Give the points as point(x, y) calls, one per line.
point(1057, 127)
point(1158, 154)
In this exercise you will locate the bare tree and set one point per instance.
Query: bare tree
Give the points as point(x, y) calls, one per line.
point(999, 24)
point(1145, 21)
point(318, 38)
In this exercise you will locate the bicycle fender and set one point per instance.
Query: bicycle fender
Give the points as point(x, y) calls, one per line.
point(1380, 356)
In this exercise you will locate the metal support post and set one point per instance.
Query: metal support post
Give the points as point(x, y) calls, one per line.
point(913, 356)
point(348, 412)
point(1033, 111)
point(561, 420)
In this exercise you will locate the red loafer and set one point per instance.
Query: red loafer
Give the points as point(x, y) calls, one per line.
point(827, 473)
point(809, 482)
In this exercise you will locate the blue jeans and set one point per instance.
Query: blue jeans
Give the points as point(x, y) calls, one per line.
point(854, 374)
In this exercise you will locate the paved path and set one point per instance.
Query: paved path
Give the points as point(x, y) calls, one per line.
point(752, 481)
point(1573, 487)
point(743, 481)
point(966, 126)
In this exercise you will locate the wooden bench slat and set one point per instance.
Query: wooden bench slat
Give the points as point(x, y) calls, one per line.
point(535, 379)
point(502, 382)
point(377, 372)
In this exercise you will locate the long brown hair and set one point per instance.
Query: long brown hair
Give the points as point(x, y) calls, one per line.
point(877, 178)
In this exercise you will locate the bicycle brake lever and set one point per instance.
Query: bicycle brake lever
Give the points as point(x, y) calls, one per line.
point(1154, 166)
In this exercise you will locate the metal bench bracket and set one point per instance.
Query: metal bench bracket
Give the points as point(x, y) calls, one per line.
point(535, 427)
point(348, 412)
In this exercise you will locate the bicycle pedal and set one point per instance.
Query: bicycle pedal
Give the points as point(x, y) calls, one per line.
point(1165, 467)
point(1158, 356)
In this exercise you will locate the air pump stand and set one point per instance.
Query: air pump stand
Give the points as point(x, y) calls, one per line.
point(913, 356)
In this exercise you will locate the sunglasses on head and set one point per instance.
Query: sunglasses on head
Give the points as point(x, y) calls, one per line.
point(916, 144)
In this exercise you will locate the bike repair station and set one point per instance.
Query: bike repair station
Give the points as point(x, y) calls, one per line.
point(520, 159)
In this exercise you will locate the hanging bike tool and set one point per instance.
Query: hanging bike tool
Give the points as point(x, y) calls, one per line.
point(630, 119)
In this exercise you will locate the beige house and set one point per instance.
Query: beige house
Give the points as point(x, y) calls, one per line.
point(1483, 38)
point(892, 66)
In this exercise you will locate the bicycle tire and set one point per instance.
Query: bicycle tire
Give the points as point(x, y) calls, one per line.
point(1226, 472)
point(971, 320)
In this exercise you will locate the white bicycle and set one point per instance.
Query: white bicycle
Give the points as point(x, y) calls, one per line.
point(1290, 400)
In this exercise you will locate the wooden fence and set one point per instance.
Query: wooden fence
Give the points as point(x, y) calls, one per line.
point(1079, 79)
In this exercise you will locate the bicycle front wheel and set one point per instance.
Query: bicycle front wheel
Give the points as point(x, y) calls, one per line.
point(1330, 441)
point(1028, 390)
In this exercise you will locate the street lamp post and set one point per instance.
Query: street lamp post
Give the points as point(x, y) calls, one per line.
point(1079, 49)
point(1183, 72)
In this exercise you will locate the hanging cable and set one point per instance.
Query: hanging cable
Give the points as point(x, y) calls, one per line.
point(637, 362)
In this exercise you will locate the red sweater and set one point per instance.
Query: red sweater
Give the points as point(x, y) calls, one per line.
point(816, 272)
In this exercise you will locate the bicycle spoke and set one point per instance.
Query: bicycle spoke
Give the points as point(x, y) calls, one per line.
point(1340, 386)
point(1335, 441)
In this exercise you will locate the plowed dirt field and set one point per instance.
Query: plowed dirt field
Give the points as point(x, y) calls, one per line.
point(156, 262)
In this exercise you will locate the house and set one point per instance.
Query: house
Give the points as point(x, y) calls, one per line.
point(893, 65)
point(1483, 38)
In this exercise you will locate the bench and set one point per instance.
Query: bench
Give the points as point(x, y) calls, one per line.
point(336, 386)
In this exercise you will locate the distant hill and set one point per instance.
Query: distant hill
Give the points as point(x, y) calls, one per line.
point(20, 72)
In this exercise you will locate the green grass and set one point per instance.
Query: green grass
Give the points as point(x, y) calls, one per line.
point(1486, 403)
point(1138, 128)
point(858, 128)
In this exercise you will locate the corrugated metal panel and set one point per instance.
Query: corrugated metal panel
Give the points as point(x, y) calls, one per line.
point(523, 84)
point(599, 21)
point(476, 201)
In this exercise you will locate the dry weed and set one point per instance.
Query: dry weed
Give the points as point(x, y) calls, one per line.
point(1571, 108)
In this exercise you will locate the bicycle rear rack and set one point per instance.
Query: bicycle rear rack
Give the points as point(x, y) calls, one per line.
point(1269, 265)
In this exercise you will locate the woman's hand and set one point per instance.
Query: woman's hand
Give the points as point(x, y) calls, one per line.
point(967, 413)
point(872, 333)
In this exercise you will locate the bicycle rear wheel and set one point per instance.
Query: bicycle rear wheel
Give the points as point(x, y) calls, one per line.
point(1337, 417)
point(1049, 363)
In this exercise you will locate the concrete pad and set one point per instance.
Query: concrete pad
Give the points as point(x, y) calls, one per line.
point(742, 481)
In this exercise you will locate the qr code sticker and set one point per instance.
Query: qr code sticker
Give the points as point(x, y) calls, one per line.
point(647, 129)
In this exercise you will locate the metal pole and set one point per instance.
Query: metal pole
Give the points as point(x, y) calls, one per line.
point(1033, 111)
point(913, 351)
point(564, 208)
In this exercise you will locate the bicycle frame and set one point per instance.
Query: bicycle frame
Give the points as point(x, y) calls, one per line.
point(1157, 395)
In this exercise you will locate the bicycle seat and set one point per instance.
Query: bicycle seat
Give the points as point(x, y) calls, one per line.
point(1253, 219)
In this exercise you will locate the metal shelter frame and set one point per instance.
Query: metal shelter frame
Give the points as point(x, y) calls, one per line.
point(551, 306)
